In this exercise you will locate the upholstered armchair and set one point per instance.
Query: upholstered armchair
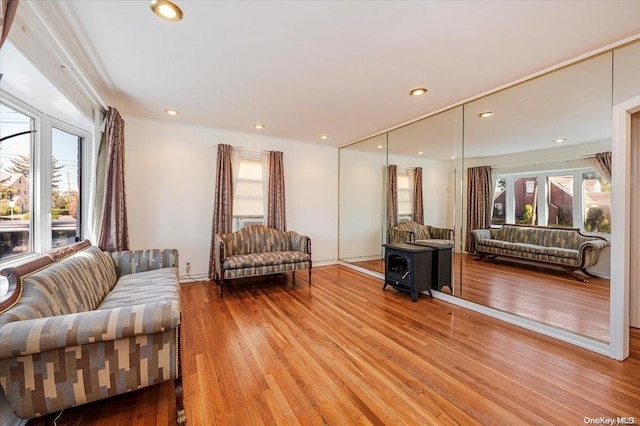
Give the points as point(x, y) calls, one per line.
point(413, 231)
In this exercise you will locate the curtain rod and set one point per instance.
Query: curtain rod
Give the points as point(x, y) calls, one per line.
point(247, 149)
point(564, 160)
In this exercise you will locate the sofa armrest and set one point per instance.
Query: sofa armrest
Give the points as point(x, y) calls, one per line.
point(440, 233)
point(130, 261)
point(481, 234)
point(589, 252)
point(401, 236)
point(300, 242)
point(38, 335)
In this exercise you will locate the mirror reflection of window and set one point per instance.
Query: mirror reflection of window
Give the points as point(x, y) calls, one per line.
point(596, 199)
point(560, 201)
point(499, 215)
point(405, 210)
point(526, 200)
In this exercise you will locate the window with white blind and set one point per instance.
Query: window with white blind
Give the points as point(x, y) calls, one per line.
point(248, 202)
point(405, 210)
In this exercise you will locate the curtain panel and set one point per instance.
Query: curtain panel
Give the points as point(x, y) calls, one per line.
point(276, 206)
point(416, 198)
point(223, 201)
point(7, 14)
point(480, 200)
point(392, 196)
point(114, 232)
point(601, 163)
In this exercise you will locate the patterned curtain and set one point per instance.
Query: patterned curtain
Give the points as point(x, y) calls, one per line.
point(418, 203)
point(479, 199)
point(7, 13)
point(114, 233)
point(601, 163)
point(223, 202)
point(392, 196)
point(276, 213)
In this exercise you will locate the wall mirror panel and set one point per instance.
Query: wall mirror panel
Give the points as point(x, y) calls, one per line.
point(361, 201)
point(534, 184)
point(539, 150)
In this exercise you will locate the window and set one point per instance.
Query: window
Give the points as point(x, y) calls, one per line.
point(15, 178)
point(248, 201)
point(526, 200)
point(499, 215)
point(560, 200)
point(40, 181)
point(568, 198)
point(405, 209)
point(596, 203)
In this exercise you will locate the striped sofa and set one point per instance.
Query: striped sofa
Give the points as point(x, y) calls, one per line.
point(410, 231)
point(259, 250)
point(81, 325)
point(565, 247)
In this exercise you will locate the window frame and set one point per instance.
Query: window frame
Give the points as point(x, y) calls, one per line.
point(40, 234)
point(543, 196)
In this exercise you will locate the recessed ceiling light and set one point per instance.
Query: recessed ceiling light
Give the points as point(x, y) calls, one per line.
point(420, 152)
point(560, 140)
point(419, 91)
point(172, 111)
point(324, 137)
point(380, 146)
point(486, 114)
point(453, 157)
point(259, 126)
point(166, 10)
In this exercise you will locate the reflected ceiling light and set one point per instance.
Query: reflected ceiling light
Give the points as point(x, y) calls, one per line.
point(259, 126)
point(486, 114)
point(324, 137)
point(171, 111)
point(381, 146)
point(419, 91)
point(453, 157)
point(560, 140)
point(166, 10)
point(420, 152)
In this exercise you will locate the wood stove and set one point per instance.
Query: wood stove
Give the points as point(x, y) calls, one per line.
point(408, 268)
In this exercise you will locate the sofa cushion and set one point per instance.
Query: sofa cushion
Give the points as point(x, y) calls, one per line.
point(155, 286)
point(526, 250)
point(264, 259)
point(75, 284)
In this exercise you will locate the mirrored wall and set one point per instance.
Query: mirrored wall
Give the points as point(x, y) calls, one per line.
point(539, 140)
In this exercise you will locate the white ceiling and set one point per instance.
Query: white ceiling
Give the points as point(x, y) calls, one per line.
point(342, 68)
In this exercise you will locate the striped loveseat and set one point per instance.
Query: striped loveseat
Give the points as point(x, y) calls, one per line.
point(82, 325)
point(564, 247)
point(259, 250)
point(410, 231)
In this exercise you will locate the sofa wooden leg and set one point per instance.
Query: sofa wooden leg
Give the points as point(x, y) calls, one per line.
point(182, 417)
point(222, 288)
point(293, 275)
point(587, 273)
point(573, 273)
point(309, 276)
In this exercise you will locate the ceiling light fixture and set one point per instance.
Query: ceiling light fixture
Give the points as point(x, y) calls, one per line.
point(420, 152)
point(324, 137)
point(560, 140)
point(486, 114)
point(166, 10)
point(419, 91)
point(259, 126)
point(173, 112)
point(380, 146)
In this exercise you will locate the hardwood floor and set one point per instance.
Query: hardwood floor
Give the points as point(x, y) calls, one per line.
point(342, 351)
point(539, 293)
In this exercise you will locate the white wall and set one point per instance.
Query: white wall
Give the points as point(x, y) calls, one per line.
point(170, 186)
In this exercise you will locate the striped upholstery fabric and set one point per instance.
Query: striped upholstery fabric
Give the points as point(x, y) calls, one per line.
point(77, 284)
point(564, 247)
point(412, 231)
point(78, 334)
point(260, 250)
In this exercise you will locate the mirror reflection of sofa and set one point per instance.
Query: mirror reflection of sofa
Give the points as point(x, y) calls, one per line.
point(410, 231)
